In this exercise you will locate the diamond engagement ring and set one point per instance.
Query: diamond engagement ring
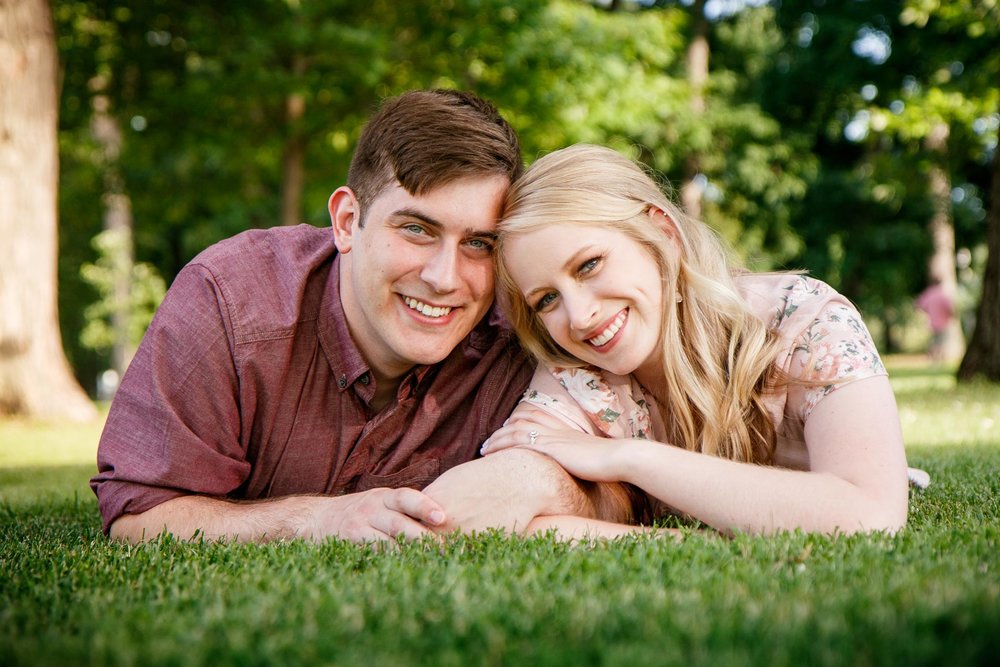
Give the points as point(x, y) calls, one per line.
point(532, 436)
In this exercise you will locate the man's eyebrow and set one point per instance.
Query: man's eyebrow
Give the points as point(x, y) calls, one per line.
point(426, 219)
point(414, 213)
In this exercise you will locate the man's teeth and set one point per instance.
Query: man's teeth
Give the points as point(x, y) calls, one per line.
point(424, 309)
point(608, 333)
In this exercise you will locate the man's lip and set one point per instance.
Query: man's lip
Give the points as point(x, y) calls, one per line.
point(441, 319)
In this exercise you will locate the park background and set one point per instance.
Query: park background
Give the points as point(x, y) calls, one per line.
point(854, 139)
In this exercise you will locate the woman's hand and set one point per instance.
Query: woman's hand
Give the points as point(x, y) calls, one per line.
point(582, 455)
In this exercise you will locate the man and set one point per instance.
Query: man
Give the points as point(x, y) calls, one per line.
point(303, 382)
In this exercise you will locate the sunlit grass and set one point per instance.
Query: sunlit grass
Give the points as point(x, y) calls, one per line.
point(935, 410)
point(929, 595)
point(48, 460)
point(29, 443)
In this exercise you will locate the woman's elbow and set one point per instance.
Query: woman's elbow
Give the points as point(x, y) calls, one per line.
point(883, 517)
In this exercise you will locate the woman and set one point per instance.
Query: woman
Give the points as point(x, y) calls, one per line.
point(752, 402)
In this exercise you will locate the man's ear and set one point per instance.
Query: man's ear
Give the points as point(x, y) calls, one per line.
point(344, 213)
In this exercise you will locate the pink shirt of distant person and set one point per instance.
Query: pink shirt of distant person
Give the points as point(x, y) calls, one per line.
point(246, 392)
point(824, 342)
point(938, 305)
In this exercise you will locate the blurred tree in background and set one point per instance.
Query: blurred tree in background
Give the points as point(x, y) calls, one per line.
point(809, 133)
point(34, 376)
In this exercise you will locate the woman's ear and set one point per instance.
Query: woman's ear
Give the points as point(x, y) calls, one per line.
point(344, 213)
point(664, 222)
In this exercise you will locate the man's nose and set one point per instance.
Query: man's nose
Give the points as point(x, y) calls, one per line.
point(441, 271)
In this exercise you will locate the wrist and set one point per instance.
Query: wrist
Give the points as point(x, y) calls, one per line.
point(625, 460)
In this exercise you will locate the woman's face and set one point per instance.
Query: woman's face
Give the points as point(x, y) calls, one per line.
point(597, 291)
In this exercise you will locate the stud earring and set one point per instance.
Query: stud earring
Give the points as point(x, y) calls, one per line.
point(678, 297)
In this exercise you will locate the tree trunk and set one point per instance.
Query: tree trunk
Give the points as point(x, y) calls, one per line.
point(293, 177)
point(106, 130)
point(697, 73)
point(942, 264)
point(35, 378)
point(983, 354)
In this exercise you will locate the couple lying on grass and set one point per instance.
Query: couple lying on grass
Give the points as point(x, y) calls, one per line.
point(361, 383)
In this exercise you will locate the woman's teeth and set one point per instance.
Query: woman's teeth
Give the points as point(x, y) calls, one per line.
point(424, 309)
point(608, 333)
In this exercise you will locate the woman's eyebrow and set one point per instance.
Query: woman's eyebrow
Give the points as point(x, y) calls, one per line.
point(567, 266)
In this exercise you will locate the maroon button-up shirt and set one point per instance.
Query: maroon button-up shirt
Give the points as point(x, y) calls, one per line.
point(248, 385)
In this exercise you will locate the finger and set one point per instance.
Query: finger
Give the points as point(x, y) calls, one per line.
point(515, 438)
point(505, 438)
point(396, 524)
point(543, 419)
point(414, 504)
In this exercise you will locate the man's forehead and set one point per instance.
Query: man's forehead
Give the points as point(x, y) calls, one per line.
point(472, 202)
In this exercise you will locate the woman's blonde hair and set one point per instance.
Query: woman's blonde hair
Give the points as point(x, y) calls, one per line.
point(717, 356)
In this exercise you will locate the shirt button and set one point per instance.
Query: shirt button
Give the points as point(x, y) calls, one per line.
point(365, 379)
point(342, 381)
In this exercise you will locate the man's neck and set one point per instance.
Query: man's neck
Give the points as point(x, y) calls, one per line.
point(385, 391)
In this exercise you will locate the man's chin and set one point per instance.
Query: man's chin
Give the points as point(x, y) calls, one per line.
point(432, 354)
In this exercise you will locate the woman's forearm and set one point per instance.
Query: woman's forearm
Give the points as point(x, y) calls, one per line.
point(733, 496)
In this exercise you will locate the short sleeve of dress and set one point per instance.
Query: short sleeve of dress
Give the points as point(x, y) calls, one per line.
point(610, 405)
point(834, 350)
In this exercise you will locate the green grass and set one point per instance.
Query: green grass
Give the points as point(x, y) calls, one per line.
point(930, 595)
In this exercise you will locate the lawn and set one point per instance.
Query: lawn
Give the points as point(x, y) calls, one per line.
point(930, 595)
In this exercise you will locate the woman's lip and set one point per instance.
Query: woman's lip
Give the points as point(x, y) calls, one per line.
point(621, 314)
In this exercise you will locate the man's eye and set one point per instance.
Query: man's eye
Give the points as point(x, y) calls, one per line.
point(414, 228)
point(481, 244)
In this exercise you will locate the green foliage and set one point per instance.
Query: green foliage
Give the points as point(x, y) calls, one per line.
point(146, 291)
point(865, 114)
point(204, 92)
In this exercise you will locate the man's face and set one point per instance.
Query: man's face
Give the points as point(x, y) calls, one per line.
point(418, 276)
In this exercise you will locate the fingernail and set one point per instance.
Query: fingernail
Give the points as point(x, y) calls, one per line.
point(436, 517)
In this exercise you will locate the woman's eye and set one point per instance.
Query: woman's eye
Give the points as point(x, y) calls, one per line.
point(545, 301)
point(590, 265)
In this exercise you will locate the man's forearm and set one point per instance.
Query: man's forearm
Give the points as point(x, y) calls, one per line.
point(368, 516)
point(212, 518)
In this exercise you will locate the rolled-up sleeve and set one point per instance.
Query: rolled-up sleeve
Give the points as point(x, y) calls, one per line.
point(174, 426)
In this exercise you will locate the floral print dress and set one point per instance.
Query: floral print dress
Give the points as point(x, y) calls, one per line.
point(824, 342)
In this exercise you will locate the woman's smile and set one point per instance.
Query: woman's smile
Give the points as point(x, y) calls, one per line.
point(597, 291)
point(609, 335)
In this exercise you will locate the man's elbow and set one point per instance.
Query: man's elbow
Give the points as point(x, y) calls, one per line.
point(142, 527)
point(128, 528)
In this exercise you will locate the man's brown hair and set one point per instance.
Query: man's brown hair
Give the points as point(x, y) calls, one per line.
point(428, 138)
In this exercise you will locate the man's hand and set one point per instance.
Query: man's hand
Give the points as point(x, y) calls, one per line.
point(374, 515)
